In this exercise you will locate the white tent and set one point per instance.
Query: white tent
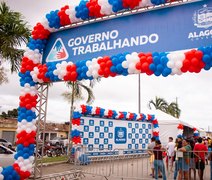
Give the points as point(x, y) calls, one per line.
point(168, 126)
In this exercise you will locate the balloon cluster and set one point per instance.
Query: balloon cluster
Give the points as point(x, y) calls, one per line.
point(193, 61)
point(144, 64)
point(159, 65)
point(94, 8)
point(25, 152)
point(116, 5)
point(54, 19)
point(196, 133)
point(180, 128)
point(26, 65)
point(26, 138)
point(105, 65)
point(106, 8)
point(26, 78)
point(158, 2)
point(39, 32)
point(37, 44)
point(25, 114)
point(50, 73)
point(64, 17)
point(9, 173)
point(207, 57)
point(82, 11)
point(28, 101)
point(131, 4)
point(117, 66)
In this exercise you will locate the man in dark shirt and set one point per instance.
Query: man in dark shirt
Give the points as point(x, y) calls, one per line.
point(158, 162)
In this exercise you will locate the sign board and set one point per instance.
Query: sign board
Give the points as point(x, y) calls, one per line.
point(102, 136)
point(168, 29)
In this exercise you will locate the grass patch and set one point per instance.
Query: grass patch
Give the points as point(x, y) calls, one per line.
point(54, 159)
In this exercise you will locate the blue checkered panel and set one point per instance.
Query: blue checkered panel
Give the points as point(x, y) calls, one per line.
point(108, 134)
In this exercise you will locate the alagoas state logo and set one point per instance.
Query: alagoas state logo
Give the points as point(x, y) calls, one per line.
point(58, 52)
point(203, 17)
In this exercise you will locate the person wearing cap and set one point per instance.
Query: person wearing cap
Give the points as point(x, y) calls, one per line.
point(158, 162)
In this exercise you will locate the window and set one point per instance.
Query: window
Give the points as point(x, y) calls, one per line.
point(2, 150)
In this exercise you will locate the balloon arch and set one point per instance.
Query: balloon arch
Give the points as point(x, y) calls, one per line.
point(32, 72)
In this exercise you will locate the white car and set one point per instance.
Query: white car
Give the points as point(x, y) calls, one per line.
point(5, 143)
point(6, 156)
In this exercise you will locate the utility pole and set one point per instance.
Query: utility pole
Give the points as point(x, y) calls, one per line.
point(139, 93)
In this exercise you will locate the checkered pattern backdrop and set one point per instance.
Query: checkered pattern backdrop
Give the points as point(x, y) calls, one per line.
point(100, 133)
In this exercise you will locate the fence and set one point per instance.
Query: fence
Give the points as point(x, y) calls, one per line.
point(119, 164)
point(133, 164)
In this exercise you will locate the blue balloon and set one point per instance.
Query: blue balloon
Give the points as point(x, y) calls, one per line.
point(116, 5)
point(53, 19)
point(82, 10)
point(159, 68)
point(152, 67)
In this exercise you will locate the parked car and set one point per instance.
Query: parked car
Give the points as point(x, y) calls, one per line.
point(58, 141)
point(6, 156)
point(5, 143)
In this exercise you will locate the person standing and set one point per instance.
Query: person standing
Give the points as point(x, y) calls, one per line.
point(170, 153)
point(158, 162)
point(150, 148)
point(200, 151)
point(192, 165)
point(184, 161)
point(178, 145)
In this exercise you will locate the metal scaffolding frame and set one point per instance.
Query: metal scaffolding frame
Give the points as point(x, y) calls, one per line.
point(41, 110)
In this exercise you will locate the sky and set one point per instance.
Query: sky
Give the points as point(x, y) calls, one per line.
point(192, 91)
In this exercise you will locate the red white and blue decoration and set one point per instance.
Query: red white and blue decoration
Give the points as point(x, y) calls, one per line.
point(85, 110)
point(180, 128)
point(33, 71)
point(196, 133)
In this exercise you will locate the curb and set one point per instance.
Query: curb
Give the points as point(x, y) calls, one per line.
point(53, 163)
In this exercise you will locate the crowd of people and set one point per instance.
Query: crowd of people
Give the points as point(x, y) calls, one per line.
point(185, 158)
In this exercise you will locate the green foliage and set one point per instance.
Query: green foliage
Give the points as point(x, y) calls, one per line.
point(161, 104)
point(10, 114)
point(14, 33)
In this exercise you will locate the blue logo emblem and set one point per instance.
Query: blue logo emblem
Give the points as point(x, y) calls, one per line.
point(58, 52)
point(120, 135)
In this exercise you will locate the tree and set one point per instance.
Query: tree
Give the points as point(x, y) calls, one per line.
point(76, 93)
point(14, 33)
point(159, 103)
point(173, 109)
point(10, 114)
point(3, 76)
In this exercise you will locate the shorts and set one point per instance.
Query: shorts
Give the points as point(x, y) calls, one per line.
point(200, 165)
point(183, 165)
point(170, 158)
point(192, 163)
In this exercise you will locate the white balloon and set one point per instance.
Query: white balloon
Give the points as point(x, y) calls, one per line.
point(170, 64)
point(178, 64)
point(1, 177)
point(1, 169)
point(124, 64)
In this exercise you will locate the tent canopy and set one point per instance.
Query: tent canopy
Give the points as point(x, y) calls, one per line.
point(168, 126)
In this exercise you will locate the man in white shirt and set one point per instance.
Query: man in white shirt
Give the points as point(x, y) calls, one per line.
point(170, 153)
